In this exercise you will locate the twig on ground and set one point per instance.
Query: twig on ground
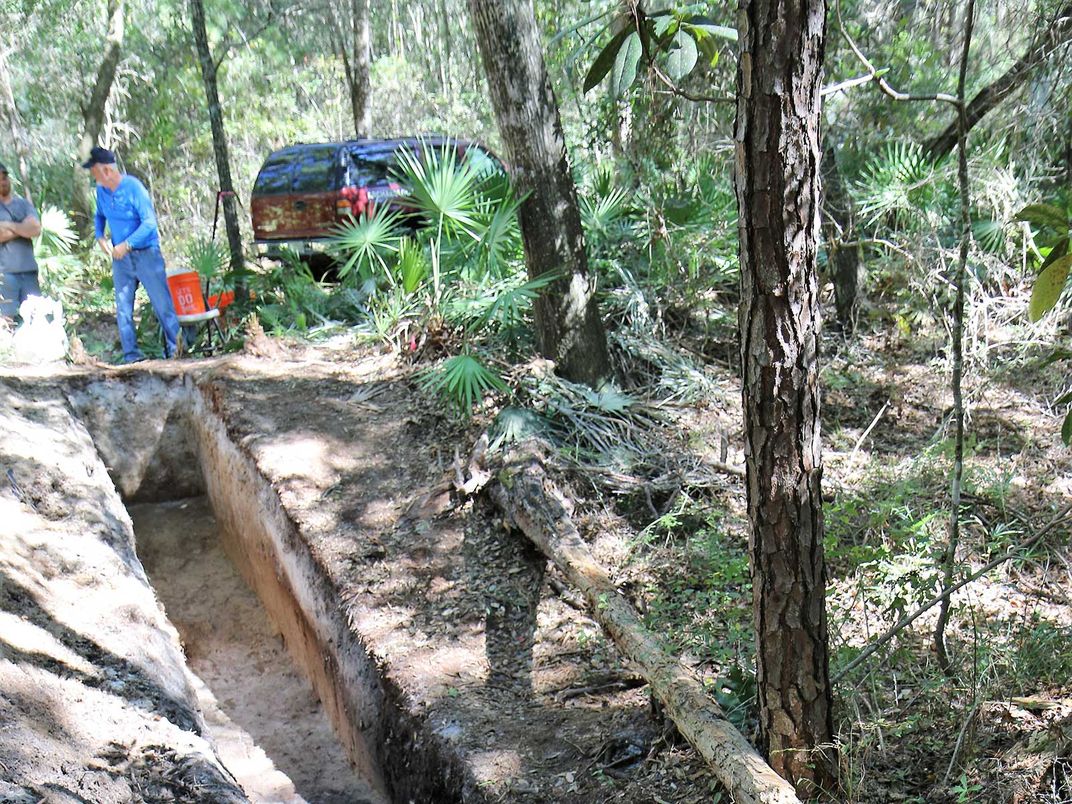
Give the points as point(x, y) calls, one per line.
point(867, 432)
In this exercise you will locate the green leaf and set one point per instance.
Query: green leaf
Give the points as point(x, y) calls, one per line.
point(625, 65)
point(1048, 287)
point(605, 60)
point(1057, 356)
point(1056, 252)
point(664, 23)
point(682, 58)
point(701, 29)
point(1063, 399)
point(1066, 429)
point(1045, 215)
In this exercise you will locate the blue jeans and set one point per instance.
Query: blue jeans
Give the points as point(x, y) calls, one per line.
point(14, 289)
point(145, 266)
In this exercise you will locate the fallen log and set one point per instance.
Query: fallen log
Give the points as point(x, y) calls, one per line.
point(529, 498)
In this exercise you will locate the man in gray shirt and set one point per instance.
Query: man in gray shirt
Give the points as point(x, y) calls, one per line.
point(18, 268)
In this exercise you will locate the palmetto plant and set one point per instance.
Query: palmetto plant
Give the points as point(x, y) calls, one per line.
point(463, 380)
point(207, 258)
point(52, 249)
point(369, 244)
point(898, 184)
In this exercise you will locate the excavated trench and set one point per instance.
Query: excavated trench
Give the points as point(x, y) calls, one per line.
point(261, 714)
point(241, 588)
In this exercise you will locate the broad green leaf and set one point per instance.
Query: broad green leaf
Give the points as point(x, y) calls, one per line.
point(1057, 356)
point(1048, 288)
point(1063, 399)
point(605, 60)
point(682, 56)
point(1045, 215)
point(625, 65)
point(702, 29)
point(665, 23)
point(1066, 429)
point(1058, 251)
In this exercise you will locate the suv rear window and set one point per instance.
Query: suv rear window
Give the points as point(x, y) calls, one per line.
point(275, 177)
point(314, 170)
point(301, 169)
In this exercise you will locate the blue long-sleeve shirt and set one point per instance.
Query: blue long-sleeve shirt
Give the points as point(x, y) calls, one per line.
point(128, 213)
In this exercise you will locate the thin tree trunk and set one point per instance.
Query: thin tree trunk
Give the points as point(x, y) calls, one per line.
point(777, 183)
point(444, 47)
point(219, 140)
point(11, 112)
point(357, 65)
point(93, 113)
point(568, 327)
point(839, 227)
point(1058, 33)
point(958, 348)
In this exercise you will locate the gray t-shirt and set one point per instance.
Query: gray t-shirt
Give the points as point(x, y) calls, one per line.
point(16, 256)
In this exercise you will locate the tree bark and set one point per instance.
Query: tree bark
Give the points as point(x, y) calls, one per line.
point(568, 328)
point(351, 39)
point(11, 112)
point(777, 185)
point(219, 140)
point(529, 498)
point(1056, 34)
point(93, 114)
point(839, 227)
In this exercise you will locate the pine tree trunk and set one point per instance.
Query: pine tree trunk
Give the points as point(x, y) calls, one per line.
point(777, 183)
point(93, 114)
point(568, 327)
point(219, 139)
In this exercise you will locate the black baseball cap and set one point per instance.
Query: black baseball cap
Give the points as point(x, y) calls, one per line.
point(99, 156)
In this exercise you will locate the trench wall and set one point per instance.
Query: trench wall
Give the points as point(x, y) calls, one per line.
point(163, 438)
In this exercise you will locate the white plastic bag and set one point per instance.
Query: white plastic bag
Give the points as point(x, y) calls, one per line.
point(41, 337)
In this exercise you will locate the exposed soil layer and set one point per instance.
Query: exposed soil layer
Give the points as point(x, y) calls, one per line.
point(434, 638)
point(259, 710)
point(96, 704)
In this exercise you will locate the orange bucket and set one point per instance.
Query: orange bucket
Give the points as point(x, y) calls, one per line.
point(221, 300)
point(186, 293)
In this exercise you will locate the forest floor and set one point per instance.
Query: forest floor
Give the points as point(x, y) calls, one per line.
point(349, 440)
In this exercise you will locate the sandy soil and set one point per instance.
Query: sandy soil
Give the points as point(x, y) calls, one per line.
point(259, 709)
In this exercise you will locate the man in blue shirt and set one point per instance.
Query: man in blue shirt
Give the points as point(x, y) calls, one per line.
point(123, 204)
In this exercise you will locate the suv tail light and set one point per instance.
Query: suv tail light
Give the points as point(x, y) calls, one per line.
point(351, 201)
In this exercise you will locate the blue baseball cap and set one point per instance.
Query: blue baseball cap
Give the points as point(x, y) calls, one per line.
point(99, 156)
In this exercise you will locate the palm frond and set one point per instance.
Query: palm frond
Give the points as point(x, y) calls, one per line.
point(501, 303)
point(442, 189)
point(206, 258)
point(368, 243)
point(463, 381)
point(412, 267)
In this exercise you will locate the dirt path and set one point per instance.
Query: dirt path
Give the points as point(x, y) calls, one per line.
point(259, 709)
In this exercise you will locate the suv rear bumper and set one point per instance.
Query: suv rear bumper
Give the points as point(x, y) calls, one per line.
point(304, 247)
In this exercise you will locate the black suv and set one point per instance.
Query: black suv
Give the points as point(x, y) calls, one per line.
point(304, 191)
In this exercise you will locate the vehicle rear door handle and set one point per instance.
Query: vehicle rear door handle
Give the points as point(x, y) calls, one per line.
point(299, 205)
